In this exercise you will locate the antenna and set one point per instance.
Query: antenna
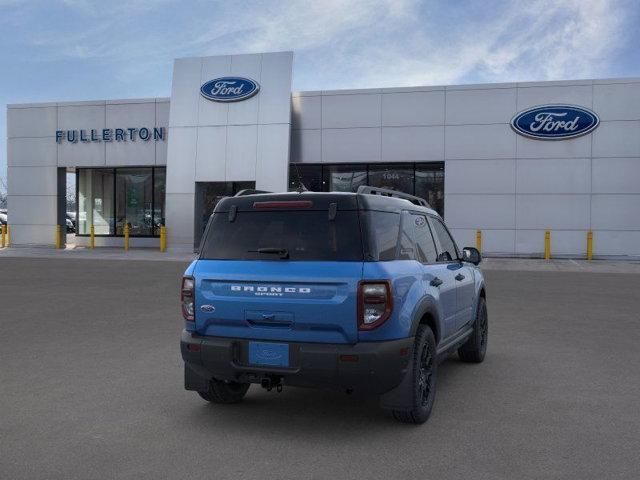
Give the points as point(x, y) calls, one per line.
point(301, 187)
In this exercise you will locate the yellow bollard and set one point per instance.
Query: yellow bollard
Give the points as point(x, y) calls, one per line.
point(589, 245)
point(8, 235)
point(126, 237)
point(547, 244)
point(58, 237)
point(479, 240)
point(92, 237)
point(3, 234)
point(163, 238)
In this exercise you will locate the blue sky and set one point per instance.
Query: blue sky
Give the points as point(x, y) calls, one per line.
point(85, 49)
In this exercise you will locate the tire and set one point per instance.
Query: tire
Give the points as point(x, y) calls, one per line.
point(225, 392)
point(475, 348)
point(424, 378)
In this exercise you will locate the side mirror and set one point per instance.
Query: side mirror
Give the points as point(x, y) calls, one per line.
point(471, 255)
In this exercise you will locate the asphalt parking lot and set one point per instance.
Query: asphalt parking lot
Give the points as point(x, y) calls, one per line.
point(91, 387)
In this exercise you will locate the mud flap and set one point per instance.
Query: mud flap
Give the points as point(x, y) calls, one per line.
point(401, 397)
point(194, 379)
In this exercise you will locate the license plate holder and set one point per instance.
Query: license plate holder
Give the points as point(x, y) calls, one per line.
point(269, 354)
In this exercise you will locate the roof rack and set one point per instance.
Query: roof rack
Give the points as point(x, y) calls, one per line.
point(249, 191)
point(384, 192)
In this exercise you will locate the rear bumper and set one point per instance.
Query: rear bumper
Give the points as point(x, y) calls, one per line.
point(371, 367)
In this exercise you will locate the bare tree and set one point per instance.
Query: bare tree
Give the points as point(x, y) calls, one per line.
point(3, 193)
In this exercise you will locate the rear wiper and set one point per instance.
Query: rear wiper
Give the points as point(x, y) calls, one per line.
point(283, 252)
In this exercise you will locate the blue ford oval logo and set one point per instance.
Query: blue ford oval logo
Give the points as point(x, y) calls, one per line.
point(229, 89)
point(555, 122)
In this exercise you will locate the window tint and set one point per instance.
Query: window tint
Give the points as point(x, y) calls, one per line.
point(430, 185)
point(305, 235)
point(208, 194)
point(447, 251)
point(407, 241)
point(382, 233)
point(424, 241)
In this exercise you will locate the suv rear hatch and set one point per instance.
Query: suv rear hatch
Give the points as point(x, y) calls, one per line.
point(281, 267)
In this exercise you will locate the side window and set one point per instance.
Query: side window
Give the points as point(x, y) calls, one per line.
point(383, 231)
point(448, 251)
point(424, 241)
point(406, 249)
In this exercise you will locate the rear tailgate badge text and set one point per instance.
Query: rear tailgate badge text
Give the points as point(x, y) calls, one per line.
point(271, 291)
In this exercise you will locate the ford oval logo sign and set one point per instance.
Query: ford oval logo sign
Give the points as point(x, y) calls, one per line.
point(555, 122)
point(229, 89)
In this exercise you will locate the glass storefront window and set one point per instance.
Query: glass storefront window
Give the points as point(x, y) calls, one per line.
point(134, 193)
point(310, 175)
point(424, 180)
point(110, 198)
point(344, 178)
point(95, 201)
point(392, 176)
point(159, 194)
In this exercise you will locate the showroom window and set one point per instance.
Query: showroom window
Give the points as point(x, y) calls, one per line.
point(309, 175)
point(110, 198)
point(344, 178)
point(392, 176)
point(425, 180)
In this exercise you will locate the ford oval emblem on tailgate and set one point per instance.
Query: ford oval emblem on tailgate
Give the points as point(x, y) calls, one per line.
point(208, 308)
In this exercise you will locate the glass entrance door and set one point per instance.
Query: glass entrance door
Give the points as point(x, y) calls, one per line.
point(208, 194)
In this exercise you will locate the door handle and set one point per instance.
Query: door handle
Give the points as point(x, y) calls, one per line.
point(436, 282)
point(459, 277)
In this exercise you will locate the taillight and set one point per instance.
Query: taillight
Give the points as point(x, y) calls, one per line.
point(375, 303)
point(187, 298)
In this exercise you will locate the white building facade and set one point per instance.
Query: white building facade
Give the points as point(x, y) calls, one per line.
point(152, 162)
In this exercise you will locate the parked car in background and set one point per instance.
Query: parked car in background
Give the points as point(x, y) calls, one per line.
point(3, 217)
point(71, 217)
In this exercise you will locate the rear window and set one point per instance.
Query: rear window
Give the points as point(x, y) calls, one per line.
point(304, 235)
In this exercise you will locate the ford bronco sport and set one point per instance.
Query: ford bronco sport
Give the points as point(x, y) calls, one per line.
point(361, 291)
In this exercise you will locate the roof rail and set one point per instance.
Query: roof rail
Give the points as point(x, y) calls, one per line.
point(249, 191)
point(384, 192)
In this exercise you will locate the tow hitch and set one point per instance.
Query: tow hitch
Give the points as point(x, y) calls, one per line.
point(271, 382)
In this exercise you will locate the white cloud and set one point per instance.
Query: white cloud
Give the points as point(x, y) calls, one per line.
point(543, 40)
point(361, 43)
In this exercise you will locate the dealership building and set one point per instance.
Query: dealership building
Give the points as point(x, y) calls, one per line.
point(512, 159)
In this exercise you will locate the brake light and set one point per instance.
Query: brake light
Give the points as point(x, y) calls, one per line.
point(187, 294)
point(284, 204)
point(375, 303)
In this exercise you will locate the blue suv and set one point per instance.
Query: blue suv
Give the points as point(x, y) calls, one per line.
point(361, 291)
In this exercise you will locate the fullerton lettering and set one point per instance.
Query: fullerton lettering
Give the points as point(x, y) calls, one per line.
point(110, 135)
point(548, 122)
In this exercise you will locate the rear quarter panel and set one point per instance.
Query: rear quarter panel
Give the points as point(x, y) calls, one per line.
point(408, 291)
